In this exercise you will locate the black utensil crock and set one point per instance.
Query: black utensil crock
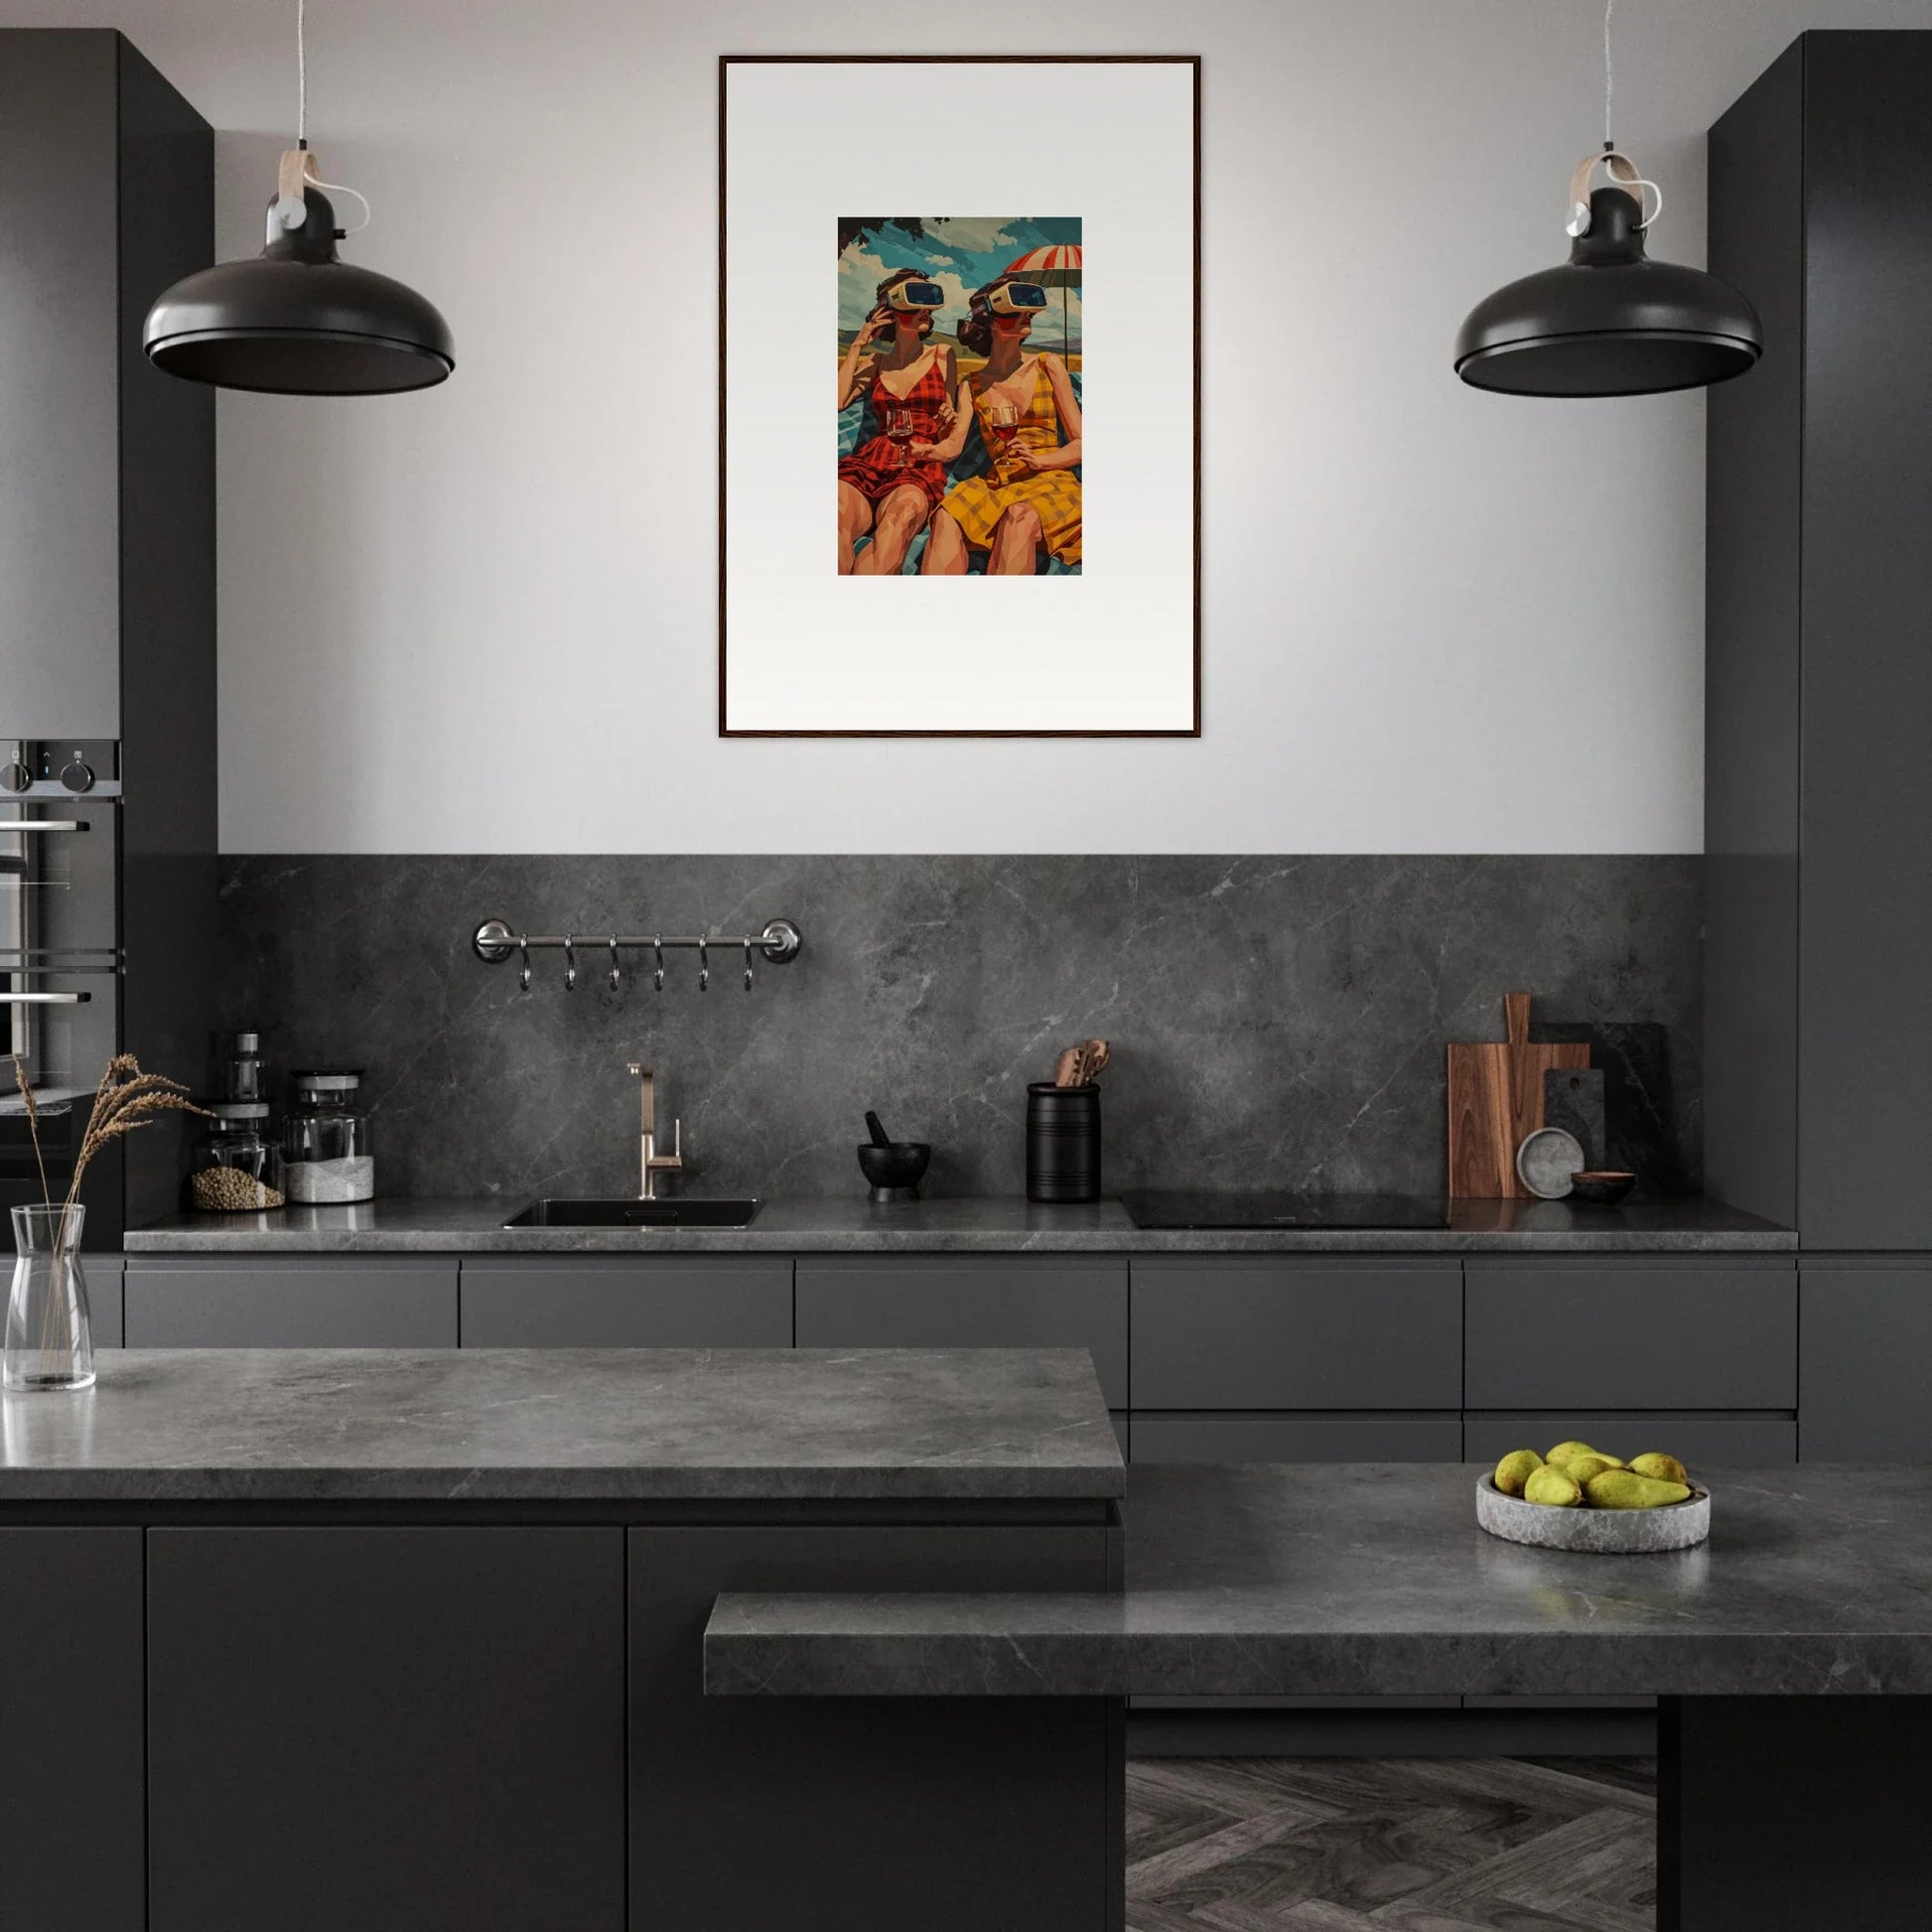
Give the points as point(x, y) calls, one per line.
point(1062, 1143)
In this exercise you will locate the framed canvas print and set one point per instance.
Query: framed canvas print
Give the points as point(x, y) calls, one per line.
point(991, 399)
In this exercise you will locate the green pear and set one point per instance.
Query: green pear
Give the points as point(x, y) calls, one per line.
point(1625, 1490)
point(1666, 1468)
point(1552, 1486)
point(1515, 1470)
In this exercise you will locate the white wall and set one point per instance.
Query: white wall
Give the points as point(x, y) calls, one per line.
point(484, 618)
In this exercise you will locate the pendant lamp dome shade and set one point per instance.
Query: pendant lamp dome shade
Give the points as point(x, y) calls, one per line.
point(298, 319)
point(1610, 322)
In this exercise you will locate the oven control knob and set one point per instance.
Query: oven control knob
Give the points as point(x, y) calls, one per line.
point(14, 777)
point(78, 776)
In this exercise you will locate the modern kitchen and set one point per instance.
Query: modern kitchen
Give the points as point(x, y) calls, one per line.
point(1239, 1247)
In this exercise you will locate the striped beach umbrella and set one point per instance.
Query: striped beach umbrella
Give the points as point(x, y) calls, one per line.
point(1055, 267)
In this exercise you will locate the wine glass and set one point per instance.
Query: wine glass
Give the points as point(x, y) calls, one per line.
point(1003, 418)
point(898, 427)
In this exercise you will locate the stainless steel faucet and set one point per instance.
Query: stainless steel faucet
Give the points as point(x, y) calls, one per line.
point(651, 1163)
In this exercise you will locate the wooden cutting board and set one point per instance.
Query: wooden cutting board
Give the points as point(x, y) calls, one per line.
point(1495, 1100)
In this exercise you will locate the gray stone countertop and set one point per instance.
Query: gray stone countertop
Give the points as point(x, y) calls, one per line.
point(603, 1425)
point(998, 1225)
point(1373, 1579)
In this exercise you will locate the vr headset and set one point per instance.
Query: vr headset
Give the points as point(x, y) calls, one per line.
point(909, 297)
point(1017, 299)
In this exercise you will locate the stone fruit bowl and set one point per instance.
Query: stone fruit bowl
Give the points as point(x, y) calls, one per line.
point(1600, 1532)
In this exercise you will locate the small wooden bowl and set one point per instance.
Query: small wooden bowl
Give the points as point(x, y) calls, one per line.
point(1603, 1185)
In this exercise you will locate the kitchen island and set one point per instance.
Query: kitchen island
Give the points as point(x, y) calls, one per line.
point(413, 1639)
point(1793, 1651)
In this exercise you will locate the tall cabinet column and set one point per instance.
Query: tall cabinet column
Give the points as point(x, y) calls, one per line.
point(1819, 715)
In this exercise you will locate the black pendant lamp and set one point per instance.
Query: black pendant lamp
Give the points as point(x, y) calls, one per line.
point(297, 320)
point(1610, 322)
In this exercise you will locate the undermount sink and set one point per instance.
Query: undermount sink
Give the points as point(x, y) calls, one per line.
point(633, 1213)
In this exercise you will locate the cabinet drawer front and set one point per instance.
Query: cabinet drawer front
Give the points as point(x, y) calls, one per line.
point(103, 1272)
point(1296, 1439)
point(1632, 1336)
point(73, 1748)
point(696, 1304)
point(365, 1699)
point(1734, 1442)
point(1866, 1386)
point(266, 1302)
point(970, 1302)
point(1242, 1334)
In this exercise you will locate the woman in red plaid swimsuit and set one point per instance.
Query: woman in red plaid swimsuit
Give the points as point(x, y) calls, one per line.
point(889, 486)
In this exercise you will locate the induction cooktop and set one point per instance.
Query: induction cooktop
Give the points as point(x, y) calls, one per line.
point(1161, 1209)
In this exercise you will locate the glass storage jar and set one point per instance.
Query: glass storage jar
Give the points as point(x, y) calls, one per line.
point(238, 1161)
point(325, 1147)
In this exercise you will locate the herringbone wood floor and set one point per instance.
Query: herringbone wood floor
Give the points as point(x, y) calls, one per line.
point(1391, 1844)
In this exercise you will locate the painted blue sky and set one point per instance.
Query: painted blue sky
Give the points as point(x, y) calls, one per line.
point(959, 254)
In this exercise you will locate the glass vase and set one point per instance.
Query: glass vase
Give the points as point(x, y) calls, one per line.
point(50, 1337)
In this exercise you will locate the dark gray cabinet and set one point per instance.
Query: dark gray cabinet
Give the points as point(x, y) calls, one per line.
point(396, 1729)
point(1865, 1349)
point(1548, 1333)
point(103, 1272)
point(72, 1774)
point(970, 1301)
point(1819, 912)
point(1297, 1438)
point(60, 541)
point(107, 533)
point(1700, 1438)
point(1233, 1358)
point(1265, 1332)
point(672, 1301)
point(281, 1302)
point(745, 1810)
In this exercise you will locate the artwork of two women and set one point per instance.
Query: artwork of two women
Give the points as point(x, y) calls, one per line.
point(959, 397)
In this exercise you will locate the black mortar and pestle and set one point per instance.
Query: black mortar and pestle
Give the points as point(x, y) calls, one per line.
point(893, 1167)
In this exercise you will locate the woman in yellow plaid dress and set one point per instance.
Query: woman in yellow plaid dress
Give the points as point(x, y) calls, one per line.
point(1030, 421)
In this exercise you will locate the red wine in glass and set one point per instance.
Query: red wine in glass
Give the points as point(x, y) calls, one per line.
point(1003, 418)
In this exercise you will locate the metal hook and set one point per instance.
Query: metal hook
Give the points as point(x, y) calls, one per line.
point(570, 962)
point(747, 965)
point(617, 971)
point(657, 946)
point(704, 966)
point(523, 946)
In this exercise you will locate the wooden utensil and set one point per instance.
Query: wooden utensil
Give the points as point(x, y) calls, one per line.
point(1082, 1063)
point(1495, 1100)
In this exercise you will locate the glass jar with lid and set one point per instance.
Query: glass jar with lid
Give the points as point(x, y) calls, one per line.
point(326, 1151)
point(237, 1165)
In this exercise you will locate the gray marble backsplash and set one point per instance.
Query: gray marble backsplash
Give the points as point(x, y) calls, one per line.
point(1276, 1022)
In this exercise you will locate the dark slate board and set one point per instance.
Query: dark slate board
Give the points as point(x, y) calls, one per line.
point(1572, 1099)
point(1639, 1130)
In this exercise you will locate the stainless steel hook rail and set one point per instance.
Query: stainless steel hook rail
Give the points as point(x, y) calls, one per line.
point(497, 941)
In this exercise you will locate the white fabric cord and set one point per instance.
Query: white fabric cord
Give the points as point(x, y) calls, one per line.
point(1609, 71)
point(292, 214)
point(338, 188)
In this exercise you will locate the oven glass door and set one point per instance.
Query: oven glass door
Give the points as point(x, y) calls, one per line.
point(59, 978)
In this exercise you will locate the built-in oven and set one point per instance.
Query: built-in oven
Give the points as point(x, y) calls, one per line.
point(60, 965)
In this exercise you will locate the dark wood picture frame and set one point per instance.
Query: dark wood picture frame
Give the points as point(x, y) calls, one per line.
point(729, 60)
